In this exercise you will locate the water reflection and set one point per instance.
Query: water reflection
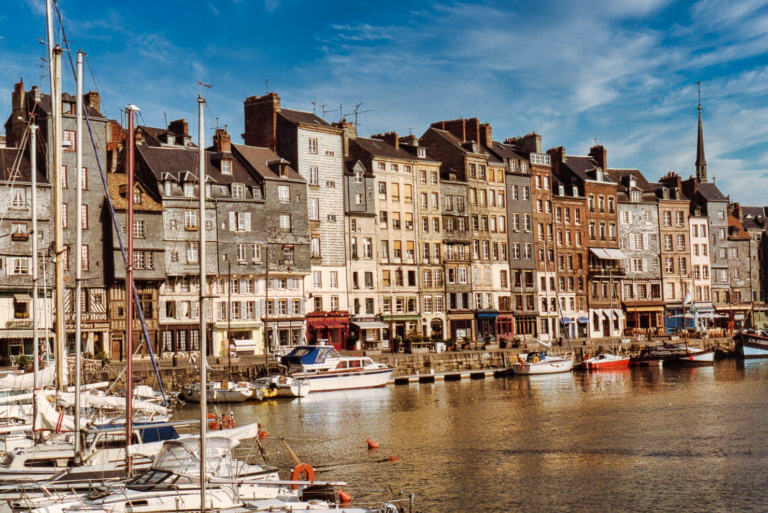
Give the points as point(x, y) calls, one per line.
point(641, 439)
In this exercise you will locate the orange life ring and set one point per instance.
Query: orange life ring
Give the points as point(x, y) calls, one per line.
point(302, 472)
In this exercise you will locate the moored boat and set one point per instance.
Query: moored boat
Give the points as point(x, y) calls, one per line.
point(326, 370)
point(219, 392)
point(284, 386)
point(752, 344)
point(542, 363)
point(605, 361)
point(673, 353)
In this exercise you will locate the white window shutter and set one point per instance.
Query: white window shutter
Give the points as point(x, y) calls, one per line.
point(162, 309)
point(303, 306)
point(645, 265)
point(645, 241)
point(232, 222)
point(247, 221)
point(632, 241)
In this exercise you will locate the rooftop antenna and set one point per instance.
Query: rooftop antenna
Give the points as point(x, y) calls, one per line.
point(166, 120)
point(358, 111)
point(217, 123)
point(326, 111)
point(267, 84)
point(314, 107)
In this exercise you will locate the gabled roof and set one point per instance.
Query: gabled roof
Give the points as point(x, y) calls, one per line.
point(752, 223)
point(118, 184)
point(581, 166)
point(45, 104)
point(710, 192)
point(736, 230)
point(642, 183)
point(300, 116)
point(264, 162)
point(8, 158)
point(753, 211)
point(354, 165)
point(505, 151)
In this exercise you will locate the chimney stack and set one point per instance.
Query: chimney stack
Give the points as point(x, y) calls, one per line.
point(530, 142)
point(261, 120)
point(93, 99)
point(179, 127)
point(348, 131)
point(410, 140)
point(389, 138)
point(222, 142)
point(600, 154)
point(486, 135)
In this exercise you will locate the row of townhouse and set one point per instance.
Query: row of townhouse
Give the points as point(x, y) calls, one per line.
point(318, 234)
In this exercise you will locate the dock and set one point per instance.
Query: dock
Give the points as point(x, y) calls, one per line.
point(433, 377)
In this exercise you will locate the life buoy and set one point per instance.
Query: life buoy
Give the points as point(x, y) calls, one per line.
point(302, 472)
point(535, 359)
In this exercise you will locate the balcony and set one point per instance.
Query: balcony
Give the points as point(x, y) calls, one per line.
point(20, 236)
point(606, 271)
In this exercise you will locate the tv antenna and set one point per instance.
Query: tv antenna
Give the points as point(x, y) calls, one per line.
point(314, 107)
point(357, 111)
point(266, 83)
point(326, 111)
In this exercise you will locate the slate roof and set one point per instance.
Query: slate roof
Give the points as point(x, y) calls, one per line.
point(505, 151)
point(753, 211)
point(259, 159)
point(8, 158)
point(300, 116)
point(642, 183)
point(580, 166)
point(751, 223)
point(379, 148)
point(45, 104)
point(177, 162)
point(710, 192)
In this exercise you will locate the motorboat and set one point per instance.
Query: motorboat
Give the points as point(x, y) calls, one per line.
point(605, 361)
point(284, 386)
point(219, 392)
point(542, 363)
point(673, 354)
point(326, 370)
point(752, 343)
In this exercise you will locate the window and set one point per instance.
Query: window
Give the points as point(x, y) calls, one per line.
point(667, 218)
point(626, 217)
point(408, 193)
point(525, 193)
point(313, 176)
point(139, 228)
point(84, 217)
point(189, 190)
point(680, 218)
point(285, 222)
point(190, 219)
point(226, 167)
point(681, 242)
point(19, 265)
point(70, 138)
point(669, 265)
point(284, 193)
point(192, 252)
point(18, 197)
point(238, 191)
point(315, 246)
point(313, 145)
point(367, 248)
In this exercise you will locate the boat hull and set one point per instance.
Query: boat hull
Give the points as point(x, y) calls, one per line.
point(617, 363)
point(752, 346)
point(346, 379)
point(217, 396)
point(543, 367)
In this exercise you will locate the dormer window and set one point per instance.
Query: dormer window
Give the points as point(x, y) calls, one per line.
point(208, 190)
point(561, 190)
point(523, 166)
point(358, 177)
point(226, 167)
point(238, 191)
point(665, 194)
point(634, 196)
point(136, 196)
point(575, 191)
point(189, 190)
point(422, 153)
point(257, 193)
point(167, 187)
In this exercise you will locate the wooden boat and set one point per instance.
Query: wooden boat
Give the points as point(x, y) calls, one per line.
point(219, 392)
point(752, 344)
point(541, 363)
point(673, 353)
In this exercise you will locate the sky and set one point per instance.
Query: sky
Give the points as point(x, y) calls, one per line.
point(618, 73)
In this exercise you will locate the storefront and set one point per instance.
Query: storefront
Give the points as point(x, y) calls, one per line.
point(285, 333)
point(180, 338)
point(247, 338)
point(460, 326)
point(644, 318)
point(486, 324)
point(370, 332)
point(505, 326)
point(732, 317)
point(525, 327)
point(16, 340)
point(330, 328)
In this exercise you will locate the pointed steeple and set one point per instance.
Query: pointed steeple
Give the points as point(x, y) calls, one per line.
point(701, 161)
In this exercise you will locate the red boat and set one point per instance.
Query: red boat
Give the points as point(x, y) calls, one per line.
point(605, 361)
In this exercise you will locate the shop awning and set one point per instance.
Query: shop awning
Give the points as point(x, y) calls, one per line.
point(460, 317)
point(242, 343)
point(631, 309)
point(487, 315)
point(18, 334)
point(22, 298)
point(605, 315)
point(566, 320)
point(608, 253)
point(370, 325)
point(583, 320)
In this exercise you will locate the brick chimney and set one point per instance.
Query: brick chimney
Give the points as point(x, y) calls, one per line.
point(600, 154)
point(348, 131)
point(557, 155)
point(179, 127)
point(410, 140)
point(222, 142)
point(93, 99)
point(18, 102)
point(261, 120)
point(672, 180)
point(486, 135)
point(530, 142)
point(389, 138)
point(463, 129)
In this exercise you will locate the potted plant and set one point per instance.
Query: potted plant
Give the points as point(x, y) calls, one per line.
point(516, 342)
point(450, 344)
point(502, 343)
point(465, 341)
point(24, 362)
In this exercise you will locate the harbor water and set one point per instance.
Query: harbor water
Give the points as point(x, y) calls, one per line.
point(642, 439)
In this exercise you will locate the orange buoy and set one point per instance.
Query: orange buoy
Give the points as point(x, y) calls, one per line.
point(263, 434)
point(344, 497)
point(394, 458)
point(371, 444)
point(302, 472)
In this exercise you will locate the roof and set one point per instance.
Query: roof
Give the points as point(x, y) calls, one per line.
point(45, 104)
point(300, 116)
point(8, 165)
point(180, 164)
point(710, 192)
point(753, 211)
point(736, 230)
point(505, 151)
point(115, 183)
point(642, 183)
point(580, 166)
point(264, 162)
point(752, 223)
point(379, 148)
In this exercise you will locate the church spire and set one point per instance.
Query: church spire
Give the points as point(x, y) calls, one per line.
point(701, 161)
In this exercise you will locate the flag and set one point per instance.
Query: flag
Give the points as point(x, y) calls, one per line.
point(687, 298)
point(694, 311)
point(204, 85)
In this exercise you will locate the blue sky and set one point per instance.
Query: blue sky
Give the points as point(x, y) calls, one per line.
point(621, 73)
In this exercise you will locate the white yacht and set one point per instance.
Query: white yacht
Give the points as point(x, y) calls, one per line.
point(326, 370)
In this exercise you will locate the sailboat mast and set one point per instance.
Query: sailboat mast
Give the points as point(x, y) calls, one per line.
point(203, 293)
point(79, 244)
point(35, 349)
point(130, 109)
point(58, 220)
